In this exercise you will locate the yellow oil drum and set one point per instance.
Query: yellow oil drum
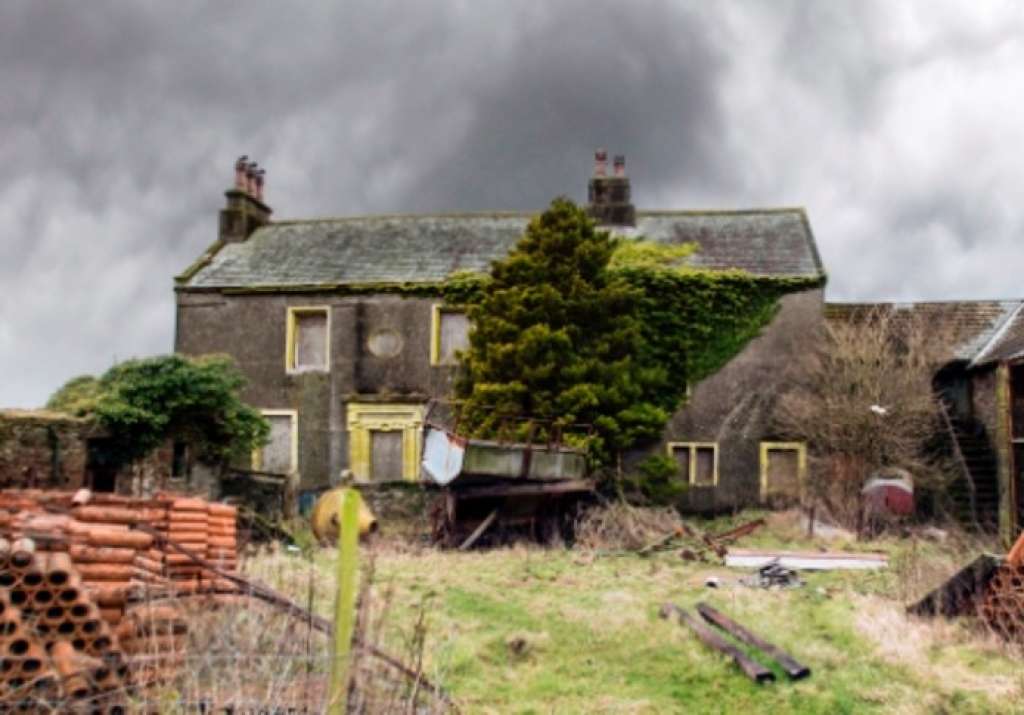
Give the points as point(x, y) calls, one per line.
point(324, 517)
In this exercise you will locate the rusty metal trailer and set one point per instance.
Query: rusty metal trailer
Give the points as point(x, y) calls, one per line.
point(493, 489)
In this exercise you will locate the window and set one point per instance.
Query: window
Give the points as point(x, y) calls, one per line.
point(280, 455)
point(783, 469)
point(307, 340)
point(384, 441)
point(698, 462)
point(449, 334)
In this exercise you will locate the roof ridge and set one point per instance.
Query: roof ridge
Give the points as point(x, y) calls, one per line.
point(944, 301)
point(997, 335)
point(527, 213)
point(441, 214)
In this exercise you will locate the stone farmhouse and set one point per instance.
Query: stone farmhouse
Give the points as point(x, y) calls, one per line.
point(339, 327)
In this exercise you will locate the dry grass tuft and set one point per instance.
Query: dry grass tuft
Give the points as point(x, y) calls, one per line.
point(617, 526)
point(929, 648)
point(248, 656)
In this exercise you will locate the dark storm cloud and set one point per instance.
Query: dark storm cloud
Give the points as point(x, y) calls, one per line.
point(120, 122)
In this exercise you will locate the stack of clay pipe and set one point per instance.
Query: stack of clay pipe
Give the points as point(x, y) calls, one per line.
point(116, 559)
point(111, 559)
point(186, 522)
point(155, 635)
point(222, 545)
point(56, 649)
point(1003, 604)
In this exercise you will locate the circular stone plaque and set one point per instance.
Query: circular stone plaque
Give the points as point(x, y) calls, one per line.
point(385, 343)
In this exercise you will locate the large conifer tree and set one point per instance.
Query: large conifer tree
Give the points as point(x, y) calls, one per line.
point(553, 343)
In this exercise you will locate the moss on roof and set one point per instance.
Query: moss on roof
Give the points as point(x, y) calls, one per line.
point(427, 249)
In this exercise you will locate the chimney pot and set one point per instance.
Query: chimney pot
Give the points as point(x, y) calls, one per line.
point(259, 184)
point(250, 176)
point(241, 166)
point(245, 211)
point(620, 165)
point(600, 162)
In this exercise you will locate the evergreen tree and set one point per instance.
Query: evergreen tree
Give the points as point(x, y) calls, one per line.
point(554, 339)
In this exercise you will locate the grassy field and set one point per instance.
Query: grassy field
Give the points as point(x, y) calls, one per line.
point(530, 630)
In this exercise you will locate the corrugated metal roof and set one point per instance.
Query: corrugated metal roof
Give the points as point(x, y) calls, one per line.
point(429, 248)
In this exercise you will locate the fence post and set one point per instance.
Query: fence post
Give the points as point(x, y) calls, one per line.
point(345, 600)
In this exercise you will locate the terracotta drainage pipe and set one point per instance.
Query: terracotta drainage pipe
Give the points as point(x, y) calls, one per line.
point(66, 662)
point(22, 552)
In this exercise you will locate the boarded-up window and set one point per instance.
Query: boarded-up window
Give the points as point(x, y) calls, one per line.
point(698, 463)
point(308, 344)
point(704, 471)
point(384, 440)
point(682, 456)
point(386, 455)
point(276, 455)
point(451, 335)
point(782, 468)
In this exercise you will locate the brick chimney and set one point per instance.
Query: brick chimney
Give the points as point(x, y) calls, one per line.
point(609, 196)
point(245, 211)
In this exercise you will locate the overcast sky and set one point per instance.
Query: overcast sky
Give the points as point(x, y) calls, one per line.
point(899, 126)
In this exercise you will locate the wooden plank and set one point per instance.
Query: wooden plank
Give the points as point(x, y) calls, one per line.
point(753, 670)
point(794, 669)
point(478, 532)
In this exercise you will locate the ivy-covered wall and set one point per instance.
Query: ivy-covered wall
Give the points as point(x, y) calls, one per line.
point(732, 407)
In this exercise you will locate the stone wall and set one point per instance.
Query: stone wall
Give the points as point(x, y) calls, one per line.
point(252, 329)
point(50, 450)
point(41, 449)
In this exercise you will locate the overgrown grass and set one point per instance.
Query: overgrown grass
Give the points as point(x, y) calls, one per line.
point(527, 630)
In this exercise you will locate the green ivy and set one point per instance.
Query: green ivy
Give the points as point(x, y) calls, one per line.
point(144, 403)
point(576, 326)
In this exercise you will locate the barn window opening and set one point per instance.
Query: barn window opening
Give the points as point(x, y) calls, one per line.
point(697, 461)
point(449, 335)
point(307, 339)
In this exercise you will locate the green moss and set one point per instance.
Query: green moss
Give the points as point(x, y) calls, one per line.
point(204, 260)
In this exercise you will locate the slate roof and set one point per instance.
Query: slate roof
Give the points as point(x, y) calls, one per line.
point(975, 326)
point(1007, 343)
point(429, 248)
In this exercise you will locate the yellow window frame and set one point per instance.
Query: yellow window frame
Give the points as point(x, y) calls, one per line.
point(437, 310)
point(801, 464)
point(364, 418)
point(293, 458)
point(693, 447)
point(291, 335)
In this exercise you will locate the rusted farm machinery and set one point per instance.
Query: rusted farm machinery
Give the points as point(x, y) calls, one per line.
point(492, 490)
